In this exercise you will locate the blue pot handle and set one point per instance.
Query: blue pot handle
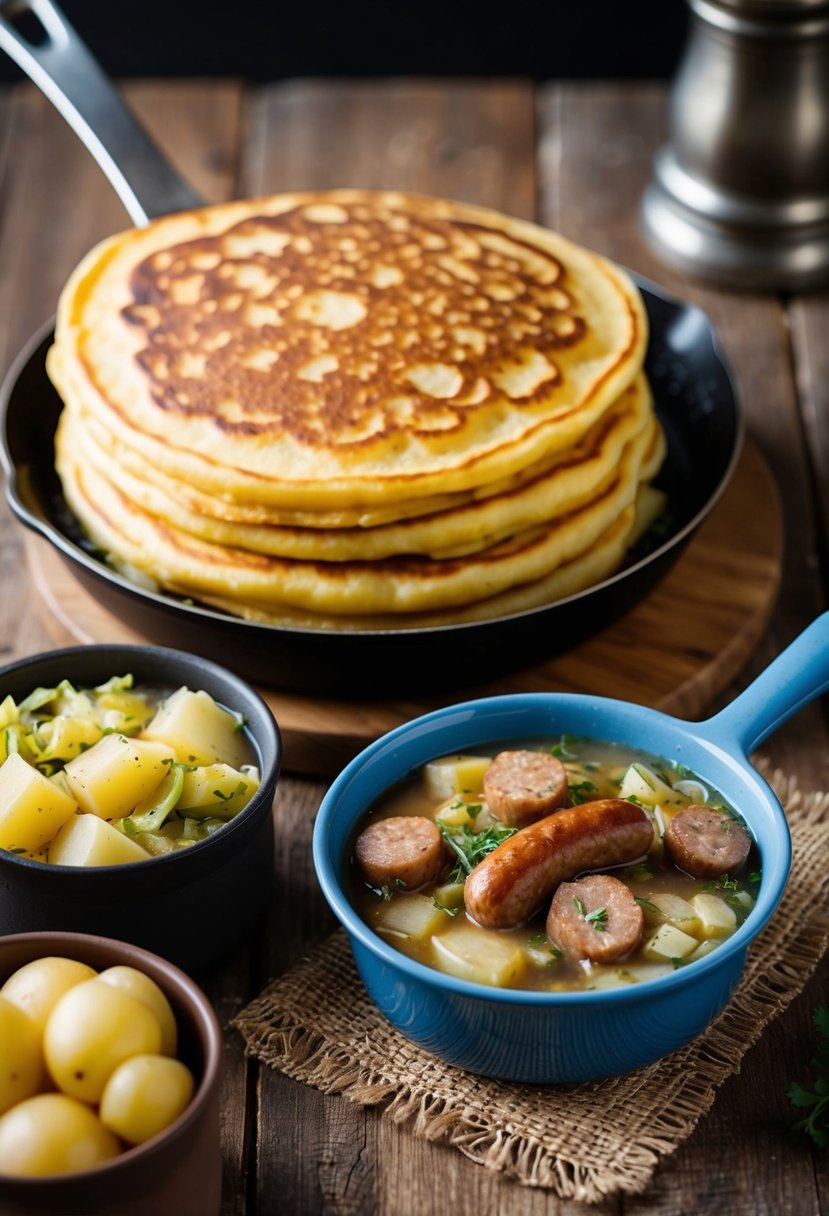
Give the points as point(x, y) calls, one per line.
point(796, 677)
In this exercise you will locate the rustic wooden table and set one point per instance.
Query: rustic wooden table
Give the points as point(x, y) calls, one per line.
point(577, 158)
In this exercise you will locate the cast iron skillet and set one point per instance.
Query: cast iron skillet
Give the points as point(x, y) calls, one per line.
point(695, 400)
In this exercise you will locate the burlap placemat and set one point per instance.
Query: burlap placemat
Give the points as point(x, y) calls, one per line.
point(316, 1024)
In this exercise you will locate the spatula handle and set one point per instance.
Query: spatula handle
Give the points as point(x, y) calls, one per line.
point(58, 62)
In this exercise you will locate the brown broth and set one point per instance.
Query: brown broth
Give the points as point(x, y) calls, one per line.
point(431, 926)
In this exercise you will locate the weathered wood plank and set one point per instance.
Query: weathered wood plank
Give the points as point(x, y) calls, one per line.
point(460, 139)
point(810, 324)
point(596, 147)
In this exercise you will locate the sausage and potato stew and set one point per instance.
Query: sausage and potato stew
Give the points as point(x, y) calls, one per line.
point(574, 865)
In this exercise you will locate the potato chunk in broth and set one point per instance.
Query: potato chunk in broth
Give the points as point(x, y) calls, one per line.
point(694, 884)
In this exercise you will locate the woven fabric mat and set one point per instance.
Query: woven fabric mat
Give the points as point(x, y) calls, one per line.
point(317, 1024)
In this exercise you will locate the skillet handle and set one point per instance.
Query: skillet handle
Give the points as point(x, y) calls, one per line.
point(797, 676)
point(60, 65)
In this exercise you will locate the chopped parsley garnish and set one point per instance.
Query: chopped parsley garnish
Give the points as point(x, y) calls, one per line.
point(579, 792)
point(241, 788)
point(473, 809)
point(723, 883)
point(566, 748)
point(597, 918)
point(471, 847)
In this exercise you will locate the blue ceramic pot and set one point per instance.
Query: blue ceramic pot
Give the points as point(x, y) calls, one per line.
point(193, 906)
point(571, 1036)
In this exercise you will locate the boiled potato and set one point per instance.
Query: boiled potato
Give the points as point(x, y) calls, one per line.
point(53, 1134)
point(462, 950)
point(217, 790)
point(642, 783)
point(86, 840)
point(113, 776)
point(139, 985)
point(455, 813)
point(144, 1095)
point(124, 711)
point(669, 943)
point(199, 730)
point(717, 919)
point(620, 976)
point(450, 895)
point(456, 775)
point(92, 1029)
point(37, 986)
point(9, 713)
point(32, 807)
point(63, 738)
point(413, 916)
point(674, 909)
point(21, 1057)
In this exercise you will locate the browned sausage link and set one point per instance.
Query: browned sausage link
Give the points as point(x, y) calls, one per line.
point(706, 842)
point(596, 918)
point(517, 877)
point(521, 787)
point(407, 850)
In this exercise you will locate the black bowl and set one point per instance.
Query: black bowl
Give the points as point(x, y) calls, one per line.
point(191, 906)
point(696, 403)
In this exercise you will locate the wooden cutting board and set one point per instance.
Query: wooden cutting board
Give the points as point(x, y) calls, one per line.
point(675, 651)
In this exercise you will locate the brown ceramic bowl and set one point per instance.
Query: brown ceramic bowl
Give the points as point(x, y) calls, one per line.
point(178, 1172)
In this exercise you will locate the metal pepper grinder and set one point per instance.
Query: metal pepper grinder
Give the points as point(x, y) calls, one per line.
point(740, 195)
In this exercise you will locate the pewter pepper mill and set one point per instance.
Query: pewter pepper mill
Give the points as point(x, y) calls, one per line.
point(740, 196)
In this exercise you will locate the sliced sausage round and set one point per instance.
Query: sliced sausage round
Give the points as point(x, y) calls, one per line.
point(515, 879)
point(705, 842)
point(595, 918)
point(521, 787)
point(407, 850)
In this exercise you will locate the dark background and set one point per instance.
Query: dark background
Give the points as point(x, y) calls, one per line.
point(261, 40)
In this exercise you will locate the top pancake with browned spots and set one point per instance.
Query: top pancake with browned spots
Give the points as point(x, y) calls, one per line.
point(344, 348)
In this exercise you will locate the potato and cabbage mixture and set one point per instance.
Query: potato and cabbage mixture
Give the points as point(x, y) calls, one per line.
point(88, 1066)
point(114, 774)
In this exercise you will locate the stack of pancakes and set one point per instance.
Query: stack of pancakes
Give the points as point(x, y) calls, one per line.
point(355, 410)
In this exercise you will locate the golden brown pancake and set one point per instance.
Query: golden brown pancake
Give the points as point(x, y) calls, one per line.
point(579, 470)
point(401, 584)
point(589, 568)
point(355, 410)
point(346, 347)
point(450, 532)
